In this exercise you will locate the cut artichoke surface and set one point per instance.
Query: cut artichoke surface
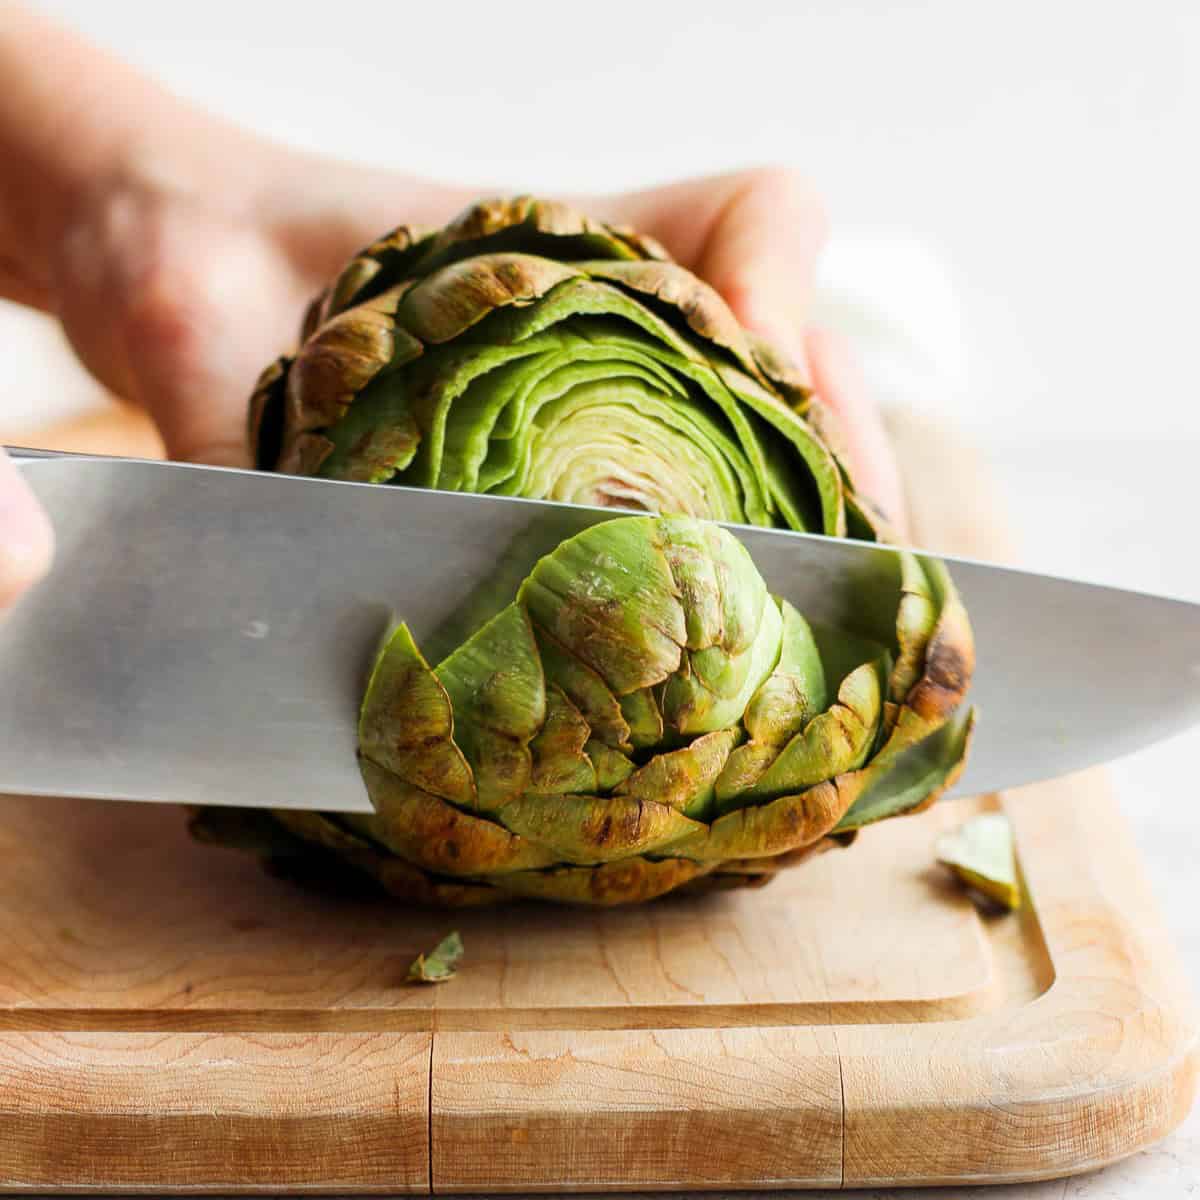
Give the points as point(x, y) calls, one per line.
point(644, 715)
point(528, 350)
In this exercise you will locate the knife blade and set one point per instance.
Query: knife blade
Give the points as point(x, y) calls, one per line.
point(204, 635)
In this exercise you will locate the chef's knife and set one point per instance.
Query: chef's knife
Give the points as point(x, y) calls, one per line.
point(204, 634)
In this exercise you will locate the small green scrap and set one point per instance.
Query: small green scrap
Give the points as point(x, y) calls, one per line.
point(982, 854)
point(440, 963)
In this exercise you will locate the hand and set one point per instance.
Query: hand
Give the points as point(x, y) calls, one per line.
point(756, 237)
point(26, 539)
point(179, 251)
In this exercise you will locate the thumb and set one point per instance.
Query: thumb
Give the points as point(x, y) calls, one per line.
point(26, 539)
point(761, 255)
point(178, 312)
point(842, 386)
point(753, 235)
point(756, 237)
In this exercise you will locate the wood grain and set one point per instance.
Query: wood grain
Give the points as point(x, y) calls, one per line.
point(173, 1018)
point(112, 917)
point(666, 1108)
point(1101, 1063)
point(214, 1112)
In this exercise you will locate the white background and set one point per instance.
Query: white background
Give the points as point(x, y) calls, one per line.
point(1045, 154)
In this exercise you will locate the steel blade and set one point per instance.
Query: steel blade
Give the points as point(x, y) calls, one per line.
point(204, 635)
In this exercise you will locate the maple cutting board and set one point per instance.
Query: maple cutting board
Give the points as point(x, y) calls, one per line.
point(173, 1018)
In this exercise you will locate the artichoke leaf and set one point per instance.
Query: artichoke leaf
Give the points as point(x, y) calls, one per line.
point(499, 389)
point(611, 766)
point(826, 478)
point(415, 405)
point(433, 388)
point(734, 630)
point(440, 964)
point(916, 616)
point(795, 691)
point(406, 723)
point(608, 596)
point(265, 414)
point(644, 718)
point(453, 298)
point(560, 761)
point(426, 831)
point(676, 288)
point(949, 656)
point(593, 829)
point(374, 269)
point(834, 742)
point(909, 781)
point(581, 297)
point(630, 881)
point(534, 226)
point(982, 854)
point(342, 357)
point(497, 692)
point(787, 700)
point(710, 697)
point(781, 826)
point(251, 829)
point(684, 779)
point(587, 691)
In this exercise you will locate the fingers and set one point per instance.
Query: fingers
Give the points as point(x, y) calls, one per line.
point(26, 539)
point(178, 313)
point(199, 335)
point(322, 212)
point(177, 306)
point(872, 460)
point(754, 235)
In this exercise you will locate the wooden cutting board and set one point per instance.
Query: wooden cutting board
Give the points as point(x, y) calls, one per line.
point(173, 1018)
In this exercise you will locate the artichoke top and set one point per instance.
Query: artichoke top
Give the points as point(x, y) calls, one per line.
point(526, 349)
point(645, 715)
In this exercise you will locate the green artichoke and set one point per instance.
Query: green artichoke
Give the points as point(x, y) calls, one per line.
point(527, 350)
point(644, 715)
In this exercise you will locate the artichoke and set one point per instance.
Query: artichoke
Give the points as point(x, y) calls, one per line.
point(643, 715)
point(526, 350)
